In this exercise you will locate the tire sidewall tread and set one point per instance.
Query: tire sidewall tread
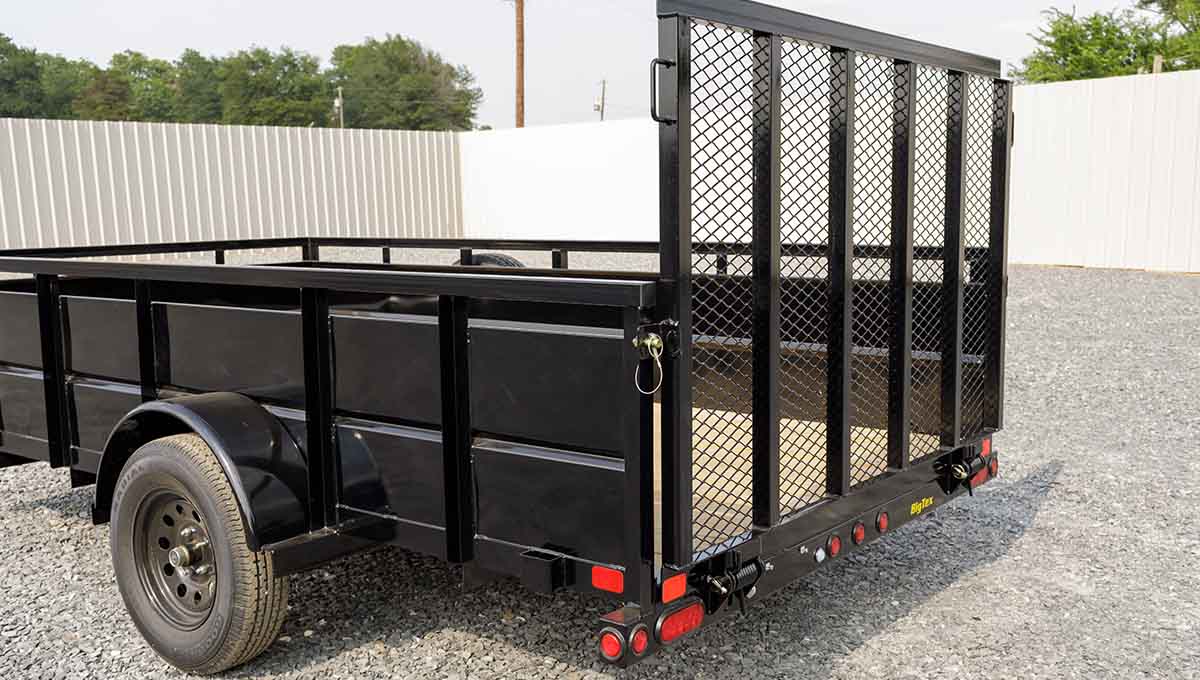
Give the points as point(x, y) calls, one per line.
point(250, 601)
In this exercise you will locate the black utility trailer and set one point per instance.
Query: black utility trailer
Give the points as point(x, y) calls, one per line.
point(819, 360)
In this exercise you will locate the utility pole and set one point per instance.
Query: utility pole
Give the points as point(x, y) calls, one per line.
point(602, 104)
point(520, 63)
point(339, 107)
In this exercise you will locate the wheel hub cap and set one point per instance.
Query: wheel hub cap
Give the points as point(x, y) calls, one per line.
point(174, 560)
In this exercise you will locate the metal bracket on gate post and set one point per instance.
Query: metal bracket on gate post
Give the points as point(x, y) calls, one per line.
point(654, 66)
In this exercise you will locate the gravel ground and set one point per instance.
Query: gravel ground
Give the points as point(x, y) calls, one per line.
point(1080, 561)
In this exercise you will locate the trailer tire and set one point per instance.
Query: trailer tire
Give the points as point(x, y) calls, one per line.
point(494, 260)
point(202, 599)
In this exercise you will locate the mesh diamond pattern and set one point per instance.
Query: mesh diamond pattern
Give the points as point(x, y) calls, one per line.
point(977, 189)
point(723, 116)
point(804, 219)
point(872, 216)
point(929, 227)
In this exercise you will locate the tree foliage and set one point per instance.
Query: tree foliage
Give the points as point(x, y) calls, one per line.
point(259, 87)
point(1111, 44)
point(20, 80)
point(389, 83)
point(397, 83)
point(1183, 13)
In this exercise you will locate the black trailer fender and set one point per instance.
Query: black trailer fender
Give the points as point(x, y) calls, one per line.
point(265, 467)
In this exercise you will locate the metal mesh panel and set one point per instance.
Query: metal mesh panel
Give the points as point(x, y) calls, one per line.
point(723, 111)
point(977, 190)
point(872, 217)
point(804, 219)
point(929, 228)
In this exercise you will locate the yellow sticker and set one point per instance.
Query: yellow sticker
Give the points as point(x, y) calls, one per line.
point(921, 506)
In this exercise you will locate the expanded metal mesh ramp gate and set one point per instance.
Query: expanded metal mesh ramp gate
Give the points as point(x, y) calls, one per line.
point(835, 218)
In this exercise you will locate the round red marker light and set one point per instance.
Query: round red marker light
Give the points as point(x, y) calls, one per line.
point(859, 534)
point(611, 645)
point(881, 522)
point(834, 546)
point(640, 641)
point(994, 467)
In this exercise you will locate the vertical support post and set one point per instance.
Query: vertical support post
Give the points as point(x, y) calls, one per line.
point(904, 145)
point(952, 262)
point(311, 251)
point(1002, 136)
point(318, 407)
point(54, 374)
point(147, 352)
point(219, 257)
point(841, 269)
point(766, 258)
point(387, 255)
point(456, 427)
point(560, 259)
point(466, 257)
point(637, 425)
point(675, 265)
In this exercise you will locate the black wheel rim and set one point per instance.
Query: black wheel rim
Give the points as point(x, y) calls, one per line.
point(174, 559)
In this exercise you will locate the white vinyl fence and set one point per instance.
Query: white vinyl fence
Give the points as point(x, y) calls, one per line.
point(92, 183)
point(1106, 173)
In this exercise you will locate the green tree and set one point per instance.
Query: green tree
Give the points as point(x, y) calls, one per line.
point(106, 97)
point(259, 87)
point(151, 85)
point(20, 81)
point(63, 81)
point(1184, 13)
point(398, 83)
point(1097, 46)
point(198, 88)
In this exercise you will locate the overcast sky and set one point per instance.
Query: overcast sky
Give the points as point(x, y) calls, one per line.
point(571, 44)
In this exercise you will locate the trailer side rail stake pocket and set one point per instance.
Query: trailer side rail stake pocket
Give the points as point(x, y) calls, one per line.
point(818, 361)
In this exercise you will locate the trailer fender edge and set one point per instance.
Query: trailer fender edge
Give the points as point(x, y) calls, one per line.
point(265, 467)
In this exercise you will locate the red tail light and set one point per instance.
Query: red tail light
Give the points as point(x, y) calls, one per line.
point(680, 622)
point(859, 534)
point(834, 546)
point(639, 641)
point(612, 647)
point(986, 449)
point(674, 588)
point(608, 580)
point(881, 522)
point(994, 467)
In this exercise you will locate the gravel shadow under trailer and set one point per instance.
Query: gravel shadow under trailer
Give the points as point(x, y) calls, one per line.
point(819, 360)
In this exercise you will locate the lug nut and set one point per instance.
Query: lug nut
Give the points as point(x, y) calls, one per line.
point(179, 557)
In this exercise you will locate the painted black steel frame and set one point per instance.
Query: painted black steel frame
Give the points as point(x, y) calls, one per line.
point(765, 26)
point(645, 302)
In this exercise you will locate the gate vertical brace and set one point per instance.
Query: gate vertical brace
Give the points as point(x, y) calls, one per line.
point(675, 252)
point(904, 145)
point(147, 352)
point(453, 336)
point(1002, 137)
point(952, 262)
point(637, 428)
point(54, 373)
point(318, 408)
point(768, 114)
point(841, 269)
